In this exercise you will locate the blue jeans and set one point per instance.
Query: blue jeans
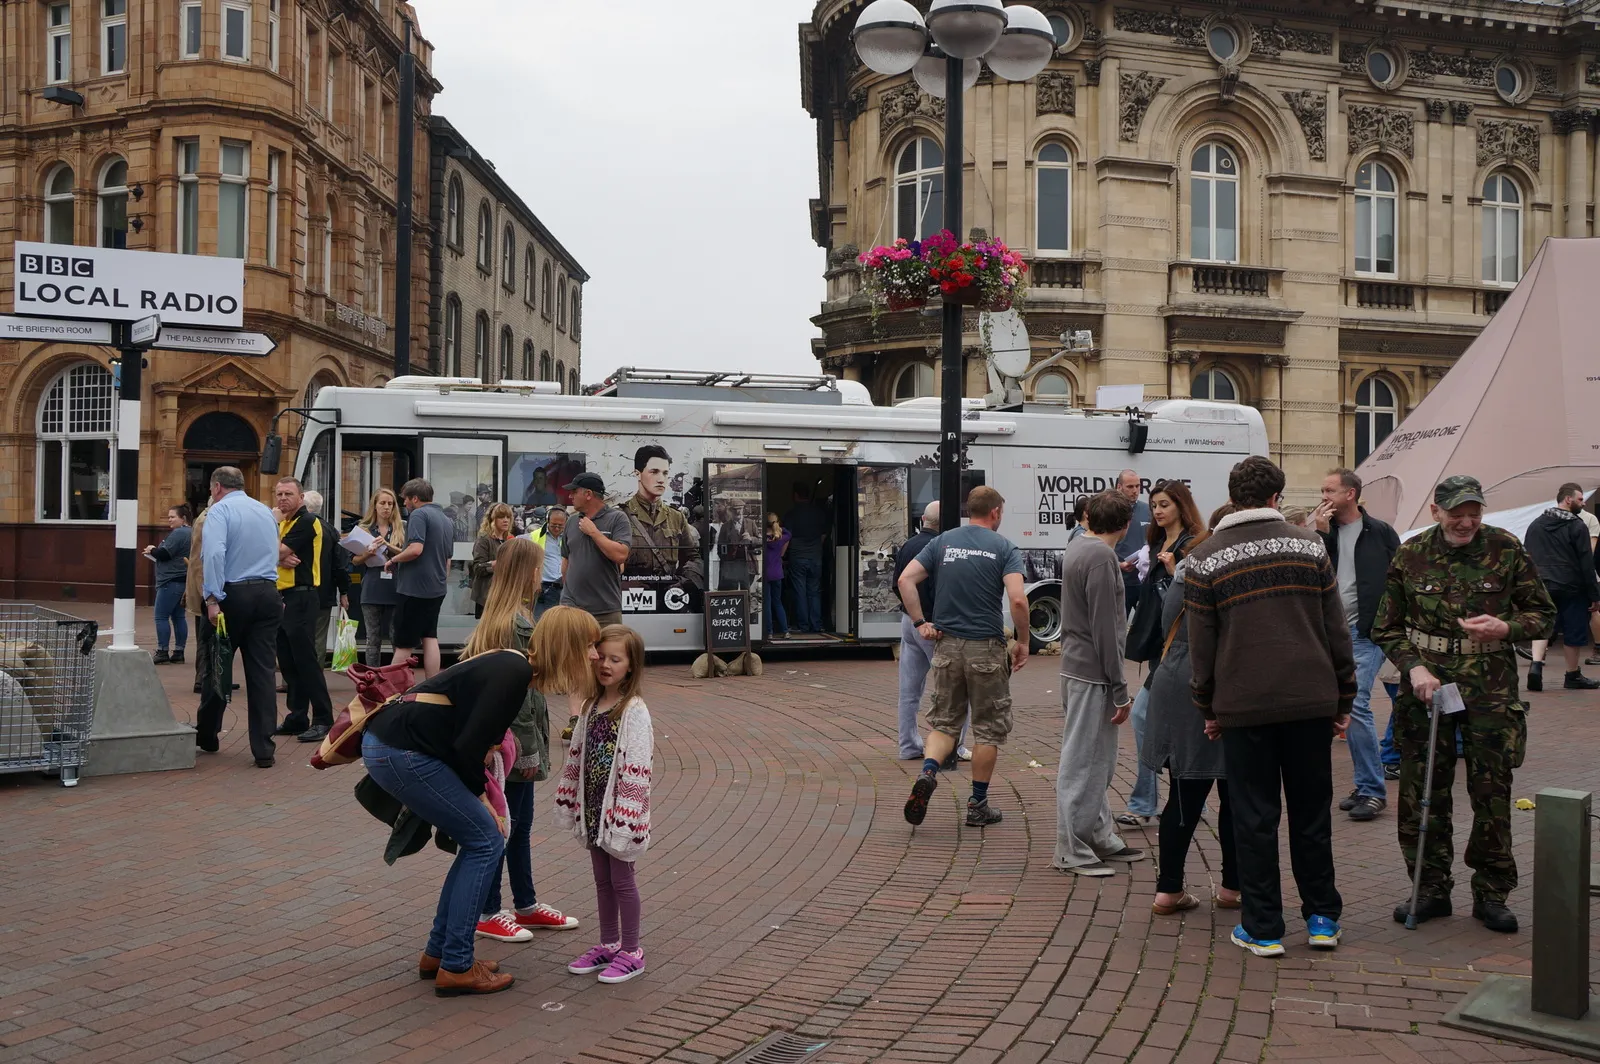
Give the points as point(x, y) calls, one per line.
point(549, 595)
point(806, 573)
point(1146, 794)
point(432, 790)
point(1362, 738)
point(772, 597)
point(170, 617)
point(518, 856)
point(1388, 752)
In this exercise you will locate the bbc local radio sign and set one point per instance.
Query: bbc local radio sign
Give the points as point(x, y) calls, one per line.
point(107, 284)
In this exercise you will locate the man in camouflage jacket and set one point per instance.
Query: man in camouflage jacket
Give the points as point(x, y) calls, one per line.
point(1458, 598)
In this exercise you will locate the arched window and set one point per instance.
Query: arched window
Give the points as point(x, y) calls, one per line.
point(327, 248)
point(377, 260)
point(561, 374)
point(1053, 181)
point(452, 337)
point(1214, 204)
point(527, 360)
point(508, 259)
point(480, 348)
point(528, 260)
point(1215, 385)
point(453, 220)
point(1377, 205)
point(547, 289)
point(914, 382)
point(485, 238)
point(1376, 414)
point(547, 370)
point(576, 311)
point(113, 219)
point(508, 353)
point(58, 212)
point(1502, 230)
point(919, 190)
point(77, 426)
point(561, 304)
point(1052, 386)
point(572, 382)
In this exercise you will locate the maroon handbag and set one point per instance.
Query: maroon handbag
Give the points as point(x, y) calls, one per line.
point(375, 689)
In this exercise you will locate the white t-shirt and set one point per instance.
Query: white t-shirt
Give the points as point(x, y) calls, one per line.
point(1591, 522)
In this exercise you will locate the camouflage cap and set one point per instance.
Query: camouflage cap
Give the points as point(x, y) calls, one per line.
point(1457, 491)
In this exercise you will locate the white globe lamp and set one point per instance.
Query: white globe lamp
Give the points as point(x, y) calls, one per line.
point(890, 36)
point(1025, 47)
point(930, 73)
point(966, 29)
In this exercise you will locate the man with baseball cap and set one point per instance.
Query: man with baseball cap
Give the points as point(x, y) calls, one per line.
point(595, 547)
point(1457, 600)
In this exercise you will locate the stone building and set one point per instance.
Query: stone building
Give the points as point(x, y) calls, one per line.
point(265, 130)
point(505, 298)
point(1311, 208)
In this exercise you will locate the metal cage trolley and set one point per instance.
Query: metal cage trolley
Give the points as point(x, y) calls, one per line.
point(46, 690)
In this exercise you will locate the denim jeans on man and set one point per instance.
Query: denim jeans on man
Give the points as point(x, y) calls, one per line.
point(170, 617)
point(916, 658)
point(432, 790)
point(806, 576)
point(1362, 737)
point(519, 854)
point(1146, 797)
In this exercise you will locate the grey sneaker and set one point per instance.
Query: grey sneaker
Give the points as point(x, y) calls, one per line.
point(981, 814)
point(1367, 808)
point(1127, 853)
point(1099, 870)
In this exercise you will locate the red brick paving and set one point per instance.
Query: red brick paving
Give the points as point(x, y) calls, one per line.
point(229, 914)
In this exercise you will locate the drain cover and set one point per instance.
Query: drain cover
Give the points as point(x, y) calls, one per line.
point(781, 1047)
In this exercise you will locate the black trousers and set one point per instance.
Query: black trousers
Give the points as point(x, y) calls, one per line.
point(301, 662)
point(1296, 758)
point(1178, 821)
point(254, 611)
point(208, 718)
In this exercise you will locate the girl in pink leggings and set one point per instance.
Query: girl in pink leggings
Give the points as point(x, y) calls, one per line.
point(604, 799)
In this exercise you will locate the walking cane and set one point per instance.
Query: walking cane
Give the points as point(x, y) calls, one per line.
point(1427, 802)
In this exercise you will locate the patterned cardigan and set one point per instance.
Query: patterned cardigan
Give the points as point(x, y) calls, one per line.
point(625, 815)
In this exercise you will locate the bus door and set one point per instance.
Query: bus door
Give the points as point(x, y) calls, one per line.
point(883, 523)
point(468, 477)
point(733, 533)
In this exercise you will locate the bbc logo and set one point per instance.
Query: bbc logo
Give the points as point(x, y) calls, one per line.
point(57, 266)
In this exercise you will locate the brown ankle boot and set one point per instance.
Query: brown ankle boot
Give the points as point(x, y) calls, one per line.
point(479, 979)
point(428, 967)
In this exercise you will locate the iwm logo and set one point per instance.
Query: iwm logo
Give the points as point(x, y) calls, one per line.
point(638, 600)
point(57, 266)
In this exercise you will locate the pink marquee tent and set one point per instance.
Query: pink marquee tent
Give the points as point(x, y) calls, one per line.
point(1520, 410)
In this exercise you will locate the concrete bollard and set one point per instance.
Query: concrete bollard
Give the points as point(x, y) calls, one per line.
point(1561, 903)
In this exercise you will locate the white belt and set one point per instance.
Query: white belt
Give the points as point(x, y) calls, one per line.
point(1439, 644)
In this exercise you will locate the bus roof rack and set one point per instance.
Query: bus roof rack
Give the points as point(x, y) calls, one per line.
point(631, 382)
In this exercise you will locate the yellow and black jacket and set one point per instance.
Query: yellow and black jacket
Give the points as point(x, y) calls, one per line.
point(306, 536)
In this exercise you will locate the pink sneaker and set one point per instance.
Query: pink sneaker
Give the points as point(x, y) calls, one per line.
point(624, 966)
point(596, 960)
point(544, 918)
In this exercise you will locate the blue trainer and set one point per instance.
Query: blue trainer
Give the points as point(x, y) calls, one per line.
point(1261, 947)
point(1324, 933)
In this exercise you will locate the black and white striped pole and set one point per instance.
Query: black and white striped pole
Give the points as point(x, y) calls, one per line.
point(133, 339)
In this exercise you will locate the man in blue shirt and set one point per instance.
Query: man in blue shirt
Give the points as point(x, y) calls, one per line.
point(549, 537)
point(240, 552)
point(1128, 486)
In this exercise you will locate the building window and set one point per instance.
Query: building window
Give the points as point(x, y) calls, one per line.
point(527, 360)
point(1053, 178)
point(528, 261)
point(914, 382)
point(1223, 42)
point(485, 239)
point(561, 304)
point(453, 222)
point(576, 311)
point(1502, 230)
point(189, 29)
point(58, 44)
point(385, 120)
point(1214, 385)
point(1382, 68)
point(113, 220)
point(1376, 207)
point(561, 374)
point(508, 352)
point(233, 202)
point(331, 85)
point(1061, 26)
point(919, 190)
point(547, 286)
point(572, 382)
point(508, 259)
point(59, 217)
point(272, 35)
point(189, 197)
point(77, 428)
point(274, 175)
point(376, 257)
point(1509, 83)
point(547, 368)
point(1214, 209)
point(1376, 415)
point(236, 30)
point(452, 337)
point(480, 347)
point(113, 36)
point(327, 247)
point(1052, 386)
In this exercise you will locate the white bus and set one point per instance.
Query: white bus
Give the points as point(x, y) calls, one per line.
point(743, 444)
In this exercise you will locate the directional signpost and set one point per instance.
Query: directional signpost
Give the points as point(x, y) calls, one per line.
point(145, 332)
point(216, 341)
point(48, 329)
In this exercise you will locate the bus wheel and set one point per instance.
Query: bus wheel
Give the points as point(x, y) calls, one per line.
point(1044, 618)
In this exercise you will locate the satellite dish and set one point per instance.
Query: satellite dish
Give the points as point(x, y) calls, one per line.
point(1010, 351)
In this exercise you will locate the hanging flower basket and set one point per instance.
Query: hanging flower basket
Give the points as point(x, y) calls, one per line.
point(896, 276)
point(982, 273)
point(898, 301)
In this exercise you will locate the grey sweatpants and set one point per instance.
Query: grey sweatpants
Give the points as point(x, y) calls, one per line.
point(916, 658)
point(1084, 828)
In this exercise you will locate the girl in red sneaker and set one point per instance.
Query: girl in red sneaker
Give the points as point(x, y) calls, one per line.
point(604, 799)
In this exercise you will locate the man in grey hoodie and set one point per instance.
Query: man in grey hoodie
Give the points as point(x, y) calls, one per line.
point(1094, 695)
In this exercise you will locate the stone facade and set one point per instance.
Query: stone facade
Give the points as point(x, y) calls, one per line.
point(195, 113)
point(1295, 306)
point(497, 275)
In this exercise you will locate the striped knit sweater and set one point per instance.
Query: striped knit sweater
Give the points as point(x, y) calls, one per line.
point(625, 813)
point(1267, 632)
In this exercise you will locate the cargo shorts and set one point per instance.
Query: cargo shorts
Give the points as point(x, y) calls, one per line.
point(975, 674)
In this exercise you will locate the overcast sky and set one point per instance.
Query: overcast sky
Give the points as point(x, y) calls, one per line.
point(665, 146)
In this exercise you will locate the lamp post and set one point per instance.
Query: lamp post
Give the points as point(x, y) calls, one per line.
point(893, 38)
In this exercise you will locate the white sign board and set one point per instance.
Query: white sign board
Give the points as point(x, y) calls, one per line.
point(215, 341)
point(145, 330)
point(108, 284)
point(1118, 396)
point(82, 332)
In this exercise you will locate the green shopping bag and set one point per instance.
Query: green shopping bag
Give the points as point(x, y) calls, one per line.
point(344, 647)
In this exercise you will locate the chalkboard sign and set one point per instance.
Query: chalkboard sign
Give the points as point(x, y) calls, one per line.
point(727, 621)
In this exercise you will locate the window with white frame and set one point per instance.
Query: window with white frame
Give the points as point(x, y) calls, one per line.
point(1215, 385)
point(272, 34)
point(236, 30)
point(529, 259)
point(453, 222)
point(1502, 230)
point(508, 352)
point(508, 259)
point(113, 36)
point(112, 213)
point(1053, 180)
point(480, 347)
point(452, 337)
point(561, 304)
point(914, 382)
point(547, 287)
point(189, 197)
point(327, 247)
point(233, 202)
point(1214, 204)
point(1376, 416)
point(485, 238)
point(1054, 387)
point(189, 15)
point(331, 85)
point(274, 176)
point(1377, 207)
point(77, 430)
point(527, 360)
point(60, 216)
point(58, 43)
point(919, 190)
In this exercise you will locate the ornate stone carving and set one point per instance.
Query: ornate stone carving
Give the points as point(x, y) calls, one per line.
point(1352, 57)
point(1572, 120)
point(1545, 79)
point(1275, 361)
point(1460, 110)
point(1436, 110)
point(1387, 127)
point(1427, 65)
point(1091, 71)
point(1227, 331)
point(1591, 75)
point(1275, 39)
point(1056, 94)
point(1138, 90)
point(1505, 139)
point(1183, 29)
point(904, 103)
point(844, 257)
point(1183, 358)
point(1311, 108)
point(854, 106)
point(1228, 82)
